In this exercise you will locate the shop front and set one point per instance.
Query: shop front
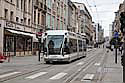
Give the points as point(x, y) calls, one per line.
point(19, 43)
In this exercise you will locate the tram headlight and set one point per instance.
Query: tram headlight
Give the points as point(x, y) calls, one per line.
point(45, 53)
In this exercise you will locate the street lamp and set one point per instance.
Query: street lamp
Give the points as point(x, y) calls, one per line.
point(39, 36)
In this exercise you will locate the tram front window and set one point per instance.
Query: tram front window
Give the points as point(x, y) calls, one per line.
point(55, 44)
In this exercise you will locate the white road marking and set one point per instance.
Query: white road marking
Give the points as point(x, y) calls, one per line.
point(80, 63)
point(9, 74)
point(58, 76)
point(97, 64)
point(99, 69)
point(36, 75)
point(88, 77)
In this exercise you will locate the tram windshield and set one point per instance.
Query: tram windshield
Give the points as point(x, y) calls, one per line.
point(54, 43)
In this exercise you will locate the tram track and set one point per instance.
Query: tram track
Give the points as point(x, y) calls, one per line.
point(21, 74)
point(87, 64)
point(38, 69)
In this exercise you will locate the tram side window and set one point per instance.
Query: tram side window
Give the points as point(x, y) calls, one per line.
point(73, 45)
point(84, 46)
point(80, 45)
point(66, 47)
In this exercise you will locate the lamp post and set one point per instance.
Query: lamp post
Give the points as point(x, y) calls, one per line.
point(39, 36)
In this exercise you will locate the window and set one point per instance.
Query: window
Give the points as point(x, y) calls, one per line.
point(48, 20)
point(21, 4)
point(29, 6)
point(62, 11)
point(25, 21)
point(55, 43)
point(53, 19)
point(80, 45)
point(49, 3)
point(38, 18)
point(61, 25)
point(72, 45)
point(84, 45)
point(6, 13)
point(11, 16)
point(42, 20)
point(28, 21)
point(9, 44)
point(25, 5)
point(17, 3)
point(21, 20)
point(57, 24)
point(17, 19)
point(34, 16)
point(11, 1)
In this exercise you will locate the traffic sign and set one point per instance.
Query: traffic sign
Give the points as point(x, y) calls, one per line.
point(116, 35)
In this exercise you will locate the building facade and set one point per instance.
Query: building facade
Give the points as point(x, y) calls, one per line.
point(18, 27)
point(85, 22)
point(39, 15)
point(73, 20)
point(56, 16)
point(116, 23)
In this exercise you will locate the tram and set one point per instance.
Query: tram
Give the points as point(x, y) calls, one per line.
point(62, 45)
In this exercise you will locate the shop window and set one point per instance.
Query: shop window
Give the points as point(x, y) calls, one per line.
point(9, 44)
point(19, 44)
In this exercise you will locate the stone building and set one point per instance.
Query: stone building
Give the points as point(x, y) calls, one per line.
point(72, 17)
point(85, 22)
point(18, 27)
point(56, 16)
point(116, 23)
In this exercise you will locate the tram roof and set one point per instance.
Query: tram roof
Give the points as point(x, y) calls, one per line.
point(61, 32)
point(56, 32)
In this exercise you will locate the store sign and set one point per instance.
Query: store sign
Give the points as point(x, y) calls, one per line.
point(9, 25)
point(19, 27)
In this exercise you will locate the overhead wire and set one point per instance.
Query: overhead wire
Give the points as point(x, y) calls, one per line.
point(90, 8)
point(96, 11)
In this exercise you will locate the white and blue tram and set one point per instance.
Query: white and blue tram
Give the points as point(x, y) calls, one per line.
point(62, 45)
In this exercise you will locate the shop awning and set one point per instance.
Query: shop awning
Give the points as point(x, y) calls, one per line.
point(23, 33)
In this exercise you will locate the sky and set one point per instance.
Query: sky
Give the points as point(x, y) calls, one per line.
point(102, 11)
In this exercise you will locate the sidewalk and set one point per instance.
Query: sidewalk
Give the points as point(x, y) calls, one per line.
point(16, 62)
point(112, 72)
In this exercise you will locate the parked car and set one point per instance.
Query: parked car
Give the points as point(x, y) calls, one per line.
point(2, 58)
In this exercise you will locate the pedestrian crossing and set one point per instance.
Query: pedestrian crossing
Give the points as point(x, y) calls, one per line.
point(9, 74)
point(36, 75)
point(57, 76)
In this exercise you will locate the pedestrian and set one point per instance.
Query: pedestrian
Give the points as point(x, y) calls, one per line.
point(103, 45)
